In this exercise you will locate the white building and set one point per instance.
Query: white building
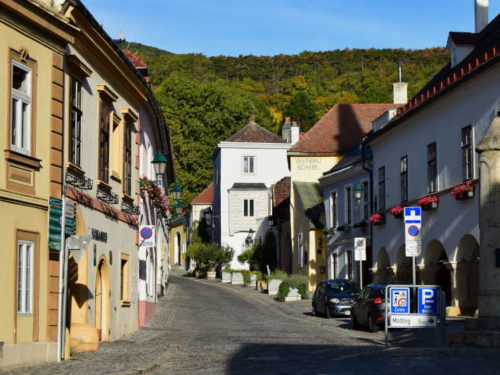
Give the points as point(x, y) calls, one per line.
point(245, 166)
point(428, 149)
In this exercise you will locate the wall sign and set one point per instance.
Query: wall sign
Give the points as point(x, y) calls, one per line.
point(99, 235)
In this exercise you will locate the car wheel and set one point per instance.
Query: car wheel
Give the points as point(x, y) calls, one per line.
point(354, 322)
point(372, 326)
point(315, 312)
point(328, 315)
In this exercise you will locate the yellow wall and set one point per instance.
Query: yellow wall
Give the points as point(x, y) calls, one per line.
point(182, 230)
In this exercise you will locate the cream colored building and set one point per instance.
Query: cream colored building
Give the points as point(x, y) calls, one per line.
point(33, 40)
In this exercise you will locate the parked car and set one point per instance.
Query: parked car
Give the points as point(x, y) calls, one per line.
point(334, 297)
point(369, 308)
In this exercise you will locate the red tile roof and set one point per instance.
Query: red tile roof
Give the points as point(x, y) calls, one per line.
point(253, 132)
point(340, 129)
point(206, 196)
point(134, 59)
point(281, 199)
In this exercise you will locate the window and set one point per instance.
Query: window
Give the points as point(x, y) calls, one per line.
point(381, 188)
point(248, 164)
point(75, 129)
point(467, 154)
point(127, 160)
point(335, 266)
point(20, 137)
point(104, 126)
point(431, 168)
point(124, 280)
point(248, 207)
point(348, 204)
point(334, 203)
point(24, 276)
point(300, 240)
point(366, 198)
point(404, 178)
point(348, 256)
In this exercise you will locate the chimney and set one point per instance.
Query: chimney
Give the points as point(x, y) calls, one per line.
point(295, 132)
point(481, 14)
point(400, 89)
point(286, 132)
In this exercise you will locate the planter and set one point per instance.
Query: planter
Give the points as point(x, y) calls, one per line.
point(198, 274)
point(398, 216)
point(211, 275)
point(465, 196)
point(237, 278)
point(273, 286)
point(226, 277)
point(253, 280)
point(293, 295)
point(430, 206)
point(261, 285)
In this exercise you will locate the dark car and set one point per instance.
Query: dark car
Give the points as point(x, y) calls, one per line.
point(369, 308)
point(334, 297)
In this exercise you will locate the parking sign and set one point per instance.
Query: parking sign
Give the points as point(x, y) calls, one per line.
point(428, 299)
point(400, 300)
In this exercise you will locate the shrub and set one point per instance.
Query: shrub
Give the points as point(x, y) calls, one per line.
point(277, 275)
point(299, 282)
point(246, 277)
point(246, 256)
point(258, 275)
point(209, 255)
point(283, 291)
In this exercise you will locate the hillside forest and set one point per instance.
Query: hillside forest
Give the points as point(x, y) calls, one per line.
point(206, 99)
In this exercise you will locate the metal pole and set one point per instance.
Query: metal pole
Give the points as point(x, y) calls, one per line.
point(62, 281)
point(361, 274)
point(414, 269)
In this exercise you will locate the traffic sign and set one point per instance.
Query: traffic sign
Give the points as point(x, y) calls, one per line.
point(428, 301)
point(400, 300)
point(359, 248)
point(147, 236)
point(412, 321)
point(413, 215)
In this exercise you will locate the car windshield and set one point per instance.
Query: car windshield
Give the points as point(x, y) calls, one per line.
point(339, 286)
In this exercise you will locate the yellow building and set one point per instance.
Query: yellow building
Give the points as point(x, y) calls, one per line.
point(33, 40)
point(315, 153)
point(178, 238)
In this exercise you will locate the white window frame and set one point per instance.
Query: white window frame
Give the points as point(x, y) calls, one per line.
point(365, 200)
point(334, 223)
point(247, 206)
point(20, 145)
point(346, 208)
point(244, 164)
point(300, 243)
point(24, 288)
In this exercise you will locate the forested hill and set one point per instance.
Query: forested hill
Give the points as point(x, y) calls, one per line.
point(205, 99)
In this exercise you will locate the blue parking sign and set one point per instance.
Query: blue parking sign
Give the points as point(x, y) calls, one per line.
point(428, 301)
point(400, 300)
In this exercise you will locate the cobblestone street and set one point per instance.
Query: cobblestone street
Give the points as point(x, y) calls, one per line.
point(205, 327)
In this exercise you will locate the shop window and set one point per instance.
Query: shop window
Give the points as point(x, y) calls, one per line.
point(24, 276)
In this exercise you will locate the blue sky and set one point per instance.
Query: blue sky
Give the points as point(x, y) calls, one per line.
point(269, 27)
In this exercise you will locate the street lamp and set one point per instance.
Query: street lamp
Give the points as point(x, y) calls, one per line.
point(178, 208)
point(159, 164)
point(249, 239)
point(358, 193)
point(176, 190)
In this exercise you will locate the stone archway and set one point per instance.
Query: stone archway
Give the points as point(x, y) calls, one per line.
point(102, 302)
point(403, 267)
point(467, 275)
point(384, 272)
point(437, 269)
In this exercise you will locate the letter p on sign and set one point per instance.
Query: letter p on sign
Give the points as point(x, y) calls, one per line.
point(428, 301)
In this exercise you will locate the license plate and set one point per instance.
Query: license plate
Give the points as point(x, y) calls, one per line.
point(347, 312)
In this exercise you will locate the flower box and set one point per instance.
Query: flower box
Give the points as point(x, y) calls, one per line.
point(429, 202)
point(273, 286)
point(377, 219)
point(397, 211)
point(226, 277)
point(463, 191)
point(361, 224)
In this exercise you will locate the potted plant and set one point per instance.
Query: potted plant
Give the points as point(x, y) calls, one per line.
point(377, 219)
point(294, 288)
point(397, 211)
point(274, 280)
point(463, 191)
point(428, 202)
point(226, 275)
point(208, 256)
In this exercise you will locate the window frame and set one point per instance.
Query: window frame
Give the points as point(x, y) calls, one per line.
point(248, 207)
point(125, 279)
point(365, 210)
point(381, 188)
point(334, 208)
point(127, 158)
point(467, 149)
point(432, 175)
point(348, 254)
point(246, 165)
point(16, 119)
point(75, 128)
point(403, 178)
point(22, 292)
point(104, 139)
point(348, 204)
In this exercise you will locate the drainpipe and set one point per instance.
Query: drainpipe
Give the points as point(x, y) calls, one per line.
point(370, 173)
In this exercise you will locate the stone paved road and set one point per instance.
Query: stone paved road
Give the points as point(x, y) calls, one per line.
point(205, 327)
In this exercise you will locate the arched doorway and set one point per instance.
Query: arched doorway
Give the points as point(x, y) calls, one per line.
point(467, 276)
point(270, 250)
point(438, 268)
point(384, 272)
point(102, 305)
point(403, 267)
point(178, 246)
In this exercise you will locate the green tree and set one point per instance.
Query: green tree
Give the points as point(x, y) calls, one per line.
point(302, 109)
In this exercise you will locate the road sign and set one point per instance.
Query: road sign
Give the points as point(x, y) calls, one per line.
point(412, 321)
point(413, 215)
point(400, 300)
point(147, 236)
point(359, 249)
point(428, 301)
point(55, 223)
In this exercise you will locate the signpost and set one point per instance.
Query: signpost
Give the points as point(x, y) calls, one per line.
point(360, 255)
point(147, 236)
point(413, 241)
point(400, 300)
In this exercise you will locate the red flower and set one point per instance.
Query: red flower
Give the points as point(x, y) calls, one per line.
point(376, 218)
point(428, 200)
point(460, 190)
point(397, 210)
